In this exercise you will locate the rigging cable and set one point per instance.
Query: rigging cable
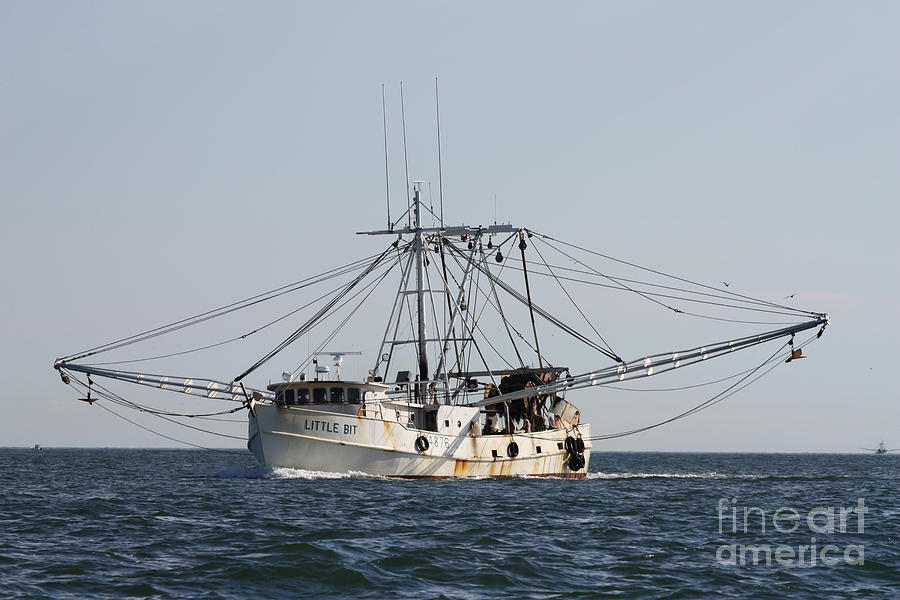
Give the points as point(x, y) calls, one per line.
point(222, 343)
point(448, 296)
point(396, 308)
point(116, 399)
point(220, 311)
point(373, 285)
point(488, 302)
point(620, 284)
point(572, 300)
point(549, 317)
point(647, 295)
point(470, 332)
point(537, 344)
point(437, 327)
point(160, 434)
point(503, 265)
point(772, 304)
point(506, 324)
point(724, 394)
point(319, 314)
point(594, 272)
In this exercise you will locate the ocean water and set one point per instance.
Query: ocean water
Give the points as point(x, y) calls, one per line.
point(111, 523)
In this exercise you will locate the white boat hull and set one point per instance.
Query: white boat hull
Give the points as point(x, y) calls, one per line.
point(306, 438)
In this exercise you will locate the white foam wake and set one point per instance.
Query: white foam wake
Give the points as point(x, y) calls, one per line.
point(263, 472)
point(710, 475)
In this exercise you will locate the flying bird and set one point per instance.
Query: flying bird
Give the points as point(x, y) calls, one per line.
point(791, 296)
point(726, 283)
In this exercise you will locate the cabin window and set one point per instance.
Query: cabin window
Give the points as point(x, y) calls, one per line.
point(538, 448)
point(319, 395)
point(303, 396)
point(289, 397)
point(353, 395)
point(337, 394)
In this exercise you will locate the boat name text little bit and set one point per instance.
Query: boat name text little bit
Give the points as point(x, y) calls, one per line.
point(329, 427)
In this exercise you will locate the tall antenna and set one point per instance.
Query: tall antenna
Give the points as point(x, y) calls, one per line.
point(387, 181)
point(405, 155)
point(437, 105)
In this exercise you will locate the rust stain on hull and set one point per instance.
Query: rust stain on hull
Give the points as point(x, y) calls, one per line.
point(388, 434)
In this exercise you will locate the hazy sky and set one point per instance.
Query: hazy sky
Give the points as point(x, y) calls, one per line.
point(159, 158)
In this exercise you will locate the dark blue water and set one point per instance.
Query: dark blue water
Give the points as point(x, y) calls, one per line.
point(177, 523)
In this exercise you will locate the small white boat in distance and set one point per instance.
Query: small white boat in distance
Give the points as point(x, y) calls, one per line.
point(881, 449)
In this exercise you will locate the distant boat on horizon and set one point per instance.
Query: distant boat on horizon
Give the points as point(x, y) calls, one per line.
point(37, 447)
point(881, 449)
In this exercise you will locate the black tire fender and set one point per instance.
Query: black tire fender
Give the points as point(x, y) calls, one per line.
point(421, 443)
point(576, 462)
point(512, 450)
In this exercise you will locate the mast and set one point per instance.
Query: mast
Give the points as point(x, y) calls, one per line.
point(437, 105)
point(419, 250)
point(387, 179)
point(537, 344)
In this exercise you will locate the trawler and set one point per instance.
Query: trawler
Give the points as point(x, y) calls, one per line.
point(454, 414)
point(457, 387)
point(881, 449)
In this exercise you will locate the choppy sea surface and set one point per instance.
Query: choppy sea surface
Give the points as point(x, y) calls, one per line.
point(113, 523)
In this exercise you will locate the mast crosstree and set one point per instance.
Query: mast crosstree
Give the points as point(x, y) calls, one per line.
point(422, 240)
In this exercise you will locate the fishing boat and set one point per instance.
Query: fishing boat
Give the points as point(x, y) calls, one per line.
point(881, 449)
point(459, 384)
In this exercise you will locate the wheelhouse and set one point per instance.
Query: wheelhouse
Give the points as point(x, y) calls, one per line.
point(298, 393)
